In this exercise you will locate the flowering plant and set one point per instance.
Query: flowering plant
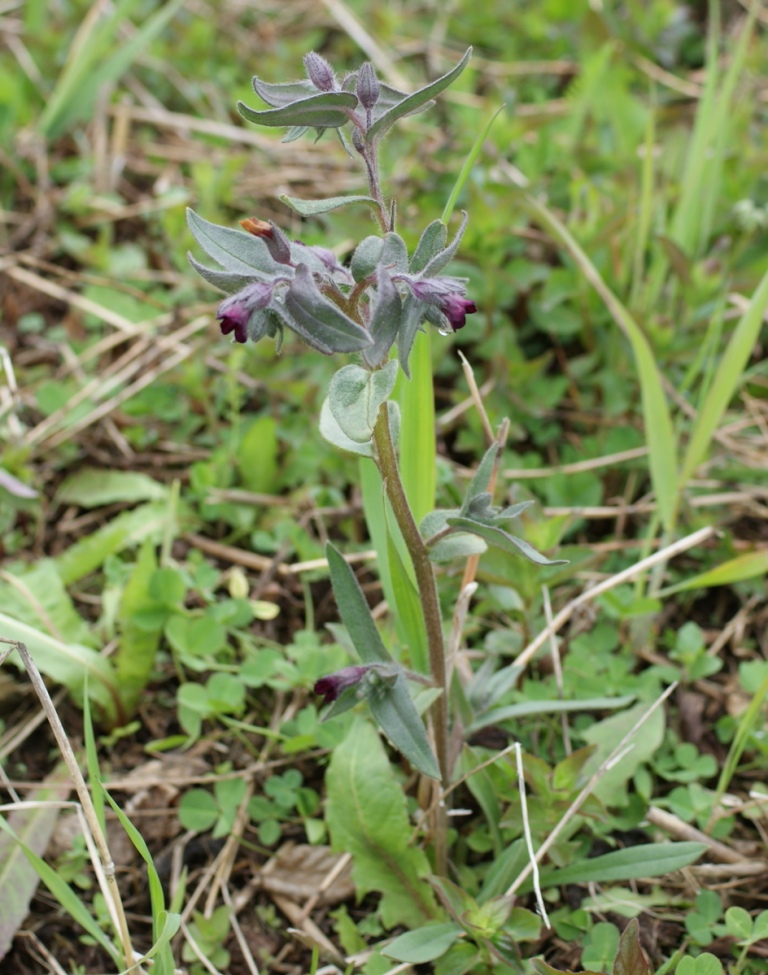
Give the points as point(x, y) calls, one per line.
point(373, 308)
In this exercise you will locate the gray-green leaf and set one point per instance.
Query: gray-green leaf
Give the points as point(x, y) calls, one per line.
point(416, 100)
point(503, 540)
point(367, 816)
point(356, 396)
point(354, 610)
point(235, 250)
point(317, 320)
point(311, 208)
point(324, 110)
point(402, 724)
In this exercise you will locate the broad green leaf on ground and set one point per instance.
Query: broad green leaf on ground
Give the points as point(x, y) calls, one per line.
point(18, 878)
point(36, 595)
point(68, 664)
point(139, 643)
point(424, 944)
point(257, 456)
point(130, 528)
point(367, 816)
point(92, 487)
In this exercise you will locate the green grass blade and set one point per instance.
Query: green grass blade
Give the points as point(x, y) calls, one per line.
point(418, 453)
point(747, 723)
point(92, 762)
point(469, 162)
point(659, 434)
point(68, 664)
point(99, 57)
point(416, 398)
point(632, 863)
point(726, 380)
point(66, 896)
point(156, 896)
point(645, 210)
point(410, 617)
point(34, 826)
point(750, 565)
point(392, 560)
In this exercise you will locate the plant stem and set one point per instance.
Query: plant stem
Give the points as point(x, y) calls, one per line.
point(425, 581)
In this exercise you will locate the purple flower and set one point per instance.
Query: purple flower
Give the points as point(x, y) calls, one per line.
point(447, 295)
point(332, 686)
point(236, 310)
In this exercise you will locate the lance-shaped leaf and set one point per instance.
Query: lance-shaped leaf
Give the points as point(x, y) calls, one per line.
point(356, 396)
point(228, 281)
point(482, 476)
point(311, 208)
point(389, 98)
point(410, 322)
point(325, 110)
point(354, 610)
point(444, 258)
point(431, 243)
point(396, 713)
point(385, 318)
point(503, 540)
point(392, 705)
point(235, 250)
point(283, 93)
point(317, 320)
point(416, 100)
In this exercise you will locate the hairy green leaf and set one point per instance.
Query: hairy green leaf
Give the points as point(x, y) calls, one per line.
point(312, 208)
point(416, 100)
point(367, 816)
point(356, 396)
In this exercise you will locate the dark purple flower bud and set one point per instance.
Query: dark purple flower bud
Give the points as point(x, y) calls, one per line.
point(320, 73)
point(332, 686)
point(235, 311)
point(448, 295)
point(278, 244)
point(368, 87)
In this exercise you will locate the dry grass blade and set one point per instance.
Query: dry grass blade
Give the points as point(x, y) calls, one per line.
point(105, 863)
